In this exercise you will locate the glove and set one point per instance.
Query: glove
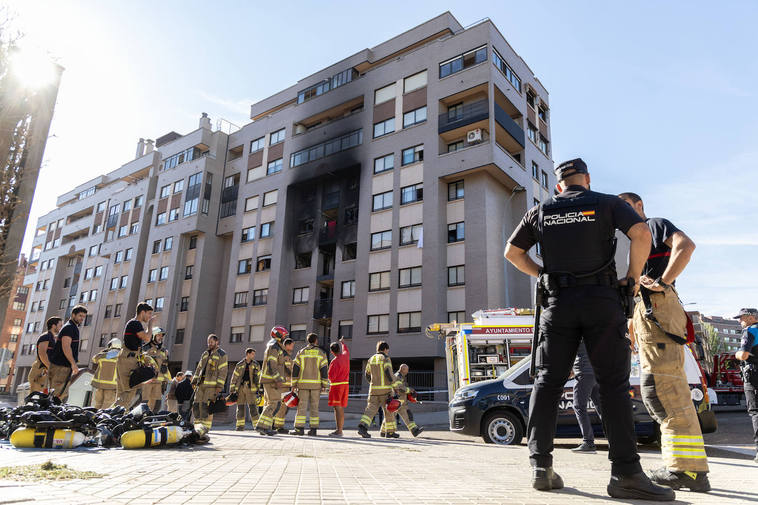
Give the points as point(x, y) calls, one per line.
point(164, 386)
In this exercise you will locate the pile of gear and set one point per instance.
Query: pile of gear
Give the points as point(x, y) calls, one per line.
point(43, 423)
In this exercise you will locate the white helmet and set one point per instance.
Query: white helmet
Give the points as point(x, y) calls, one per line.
point(115, 343)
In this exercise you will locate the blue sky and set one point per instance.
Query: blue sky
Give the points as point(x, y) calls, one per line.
point(658, 97)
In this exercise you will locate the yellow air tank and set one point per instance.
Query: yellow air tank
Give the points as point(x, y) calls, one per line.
point(152, 437)
point(48, 438)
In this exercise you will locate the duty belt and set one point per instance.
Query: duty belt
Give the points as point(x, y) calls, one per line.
point(553, 283)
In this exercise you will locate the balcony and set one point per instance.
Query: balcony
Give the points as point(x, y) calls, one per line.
point(331, 201)
point(328, 233)
point(465, 115)
point(510, 126)
point(229, 200)
point(322, 308)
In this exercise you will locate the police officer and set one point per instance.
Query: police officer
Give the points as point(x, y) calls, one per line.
point(748, 354)
point(575, 229)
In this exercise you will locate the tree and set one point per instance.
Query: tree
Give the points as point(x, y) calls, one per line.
point(713, 344)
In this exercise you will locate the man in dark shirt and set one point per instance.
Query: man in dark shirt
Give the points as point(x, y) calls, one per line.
point(576, 229)
point(66, 353)
point(748, 354)
point(659, 326)
point(138, 331)
point(38, 376)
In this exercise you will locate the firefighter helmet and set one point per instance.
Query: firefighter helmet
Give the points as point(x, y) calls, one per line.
point(231, 399)
point(279, 333)
point(393, 404)
point(115, 343)
point(412, 397)
point(290, 399)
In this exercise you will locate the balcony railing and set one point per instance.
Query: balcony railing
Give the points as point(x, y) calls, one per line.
point(467, 114)
point(328, 233)
point(322, 308)
point(509, 125)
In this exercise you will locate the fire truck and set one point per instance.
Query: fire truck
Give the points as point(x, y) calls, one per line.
point(726, 380)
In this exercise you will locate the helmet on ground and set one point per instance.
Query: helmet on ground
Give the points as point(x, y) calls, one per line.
point(115, 343)
point(393, 404)
point(290, 399)
point(279, 332)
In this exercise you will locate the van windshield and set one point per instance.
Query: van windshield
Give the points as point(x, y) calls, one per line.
point(514, 369)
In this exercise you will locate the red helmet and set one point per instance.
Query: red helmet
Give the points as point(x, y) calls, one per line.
point(290, 399)
point(393, 404)
point(412, 397)
point(279, 332)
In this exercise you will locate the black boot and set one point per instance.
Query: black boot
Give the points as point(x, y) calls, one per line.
point(363, 431)
point(392, 435)
point(282, 431)
point(638, 486)
point(417, 431)
point(545, 479)
point(298, 431)
point(694, 481)
point(266, 431)
point(313, 432)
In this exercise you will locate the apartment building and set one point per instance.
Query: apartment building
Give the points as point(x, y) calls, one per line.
point(12, 325)
point(369, 200)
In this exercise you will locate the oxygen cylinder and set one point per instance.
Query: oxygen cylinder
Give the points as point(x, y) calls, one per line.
point(47, 438)
point(153, 437)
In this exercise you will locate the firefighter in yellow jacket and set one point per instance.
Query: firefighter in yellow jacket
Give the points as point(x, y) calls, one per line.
point(309, 378)
point(152, 392)
point(209, 379)
point(104, 375)
point(382, 383)
point(244, 385)
point(281, 412)
point(403, 390)
point(273, 376)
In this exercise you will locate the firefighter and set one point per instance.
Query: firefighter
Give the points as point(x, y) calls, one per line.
point(403, 390)
point(382, 383)
point(579, 297)
point(38, 378)
point(244, 384)
point(137, 332)
point(209, 379)
point(281, 412)
point(660, 329)
point(152, 392)
point(273, 376)
point(104, 375)
point(309, 378)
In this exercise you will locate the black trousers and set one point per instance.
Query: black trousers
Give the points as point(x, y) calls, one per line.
point(751, 396)
point(592, 313)
point(586, 387)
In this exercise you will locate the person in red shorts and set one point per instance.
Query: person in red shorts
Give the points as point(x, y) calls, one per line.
point(339, 383)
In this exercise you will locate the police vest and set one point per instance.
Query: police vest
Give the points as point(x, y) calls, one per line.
point(577, 236)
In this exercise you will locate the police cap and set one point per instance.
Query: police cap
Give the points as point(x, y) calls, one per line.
point(570, 167)
point(746, 312)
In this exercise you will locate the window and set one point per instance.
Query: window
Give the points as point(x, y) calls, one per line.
point(300, 295)
point(100, 208)
point(414, 117)
point(323, 149)
point(305, 225)
point(72, 261)
point(124, 281)
point(128, 255)
point(346, 329)
point(379, 281)
point(94, 250)
point(114, 283)
point(236, 334)
point(117, 310)
point(463, 61)
point(531, 99)
point(138, 201)
point(123, 231)
point(410, 234)
point(166, 191)
point(168, 244)
point(381, 240)
point(455, 276)
point(193, 193)
point(270, 198)
point(544, 145)
point(297, 332)
point(408, 322)
point(535, 171)
point(244, 266)
point(274, 166)
point(89, 273)
point(108, 311)
point(17, 322)
point(267, 229)
point(455, 232)
point(410, 194)
point(184, 304)
point(348, 289)
point(193, 242)
point(161, 219)
point(378, 323)
point(164, 273)
point(531, 132)
point(542, 113)
point(382, 201)
point(34, 307)
point(454, 191)
point(543, 178)
point(507, 71)
point(240, 299)
point(257, 144)
point(156, 247)
point(414, 81)
point(349, 251)
point(179, 338)
point(337, 80)
point(384, 127)
point(188, 272)
point(159, 302)
point(251, 203)
point(384, 94)
point(99, 271)
point(413, 155)
point(276, 137)
point(173, 215)
point(384, 163)
point(260, 297)
point(303, 260)
point(263, 264)
point(455, 146)
point(182, 157)
point(410, 277)
point(248, 234)
point(93, 295)
point(22, 290)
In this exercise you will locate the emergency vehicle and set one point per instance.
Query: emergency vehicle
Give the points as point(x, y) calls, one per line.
point(726, 380)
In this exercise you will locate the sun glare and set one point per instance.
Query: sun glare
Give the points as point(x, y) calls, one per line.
point(33, 68)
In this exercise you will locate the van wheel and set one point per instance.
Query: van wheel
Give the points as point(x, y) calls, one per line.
point(502, 428)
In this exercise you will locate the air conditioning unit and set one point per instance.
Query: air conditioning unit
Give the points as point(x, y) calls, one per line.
point(474, 136)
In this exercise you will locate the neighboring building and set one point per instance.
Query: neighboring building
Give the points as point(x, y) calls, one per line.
point(368, 201)
point(729, 330)
point(12, 327)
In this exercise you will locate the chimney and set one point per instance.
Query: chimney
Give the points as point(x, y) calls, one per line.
point(149, 148)
point(140, 148)
point(205, 121)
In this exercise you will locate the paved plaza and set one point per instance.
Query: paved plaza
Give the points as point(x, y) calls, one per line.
point(438, 467)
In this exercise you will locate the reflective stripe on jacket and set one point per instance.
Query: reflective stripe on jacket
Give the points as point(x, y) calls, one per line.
point(105, 369)
point(309, 371)
point(274, 359)
point(215, 371)
point(379, 373)
point(239, 372)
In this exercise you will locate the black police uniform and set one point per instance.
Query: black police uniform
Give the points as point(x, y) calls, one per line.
point(749, 344)
point(576, 231)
